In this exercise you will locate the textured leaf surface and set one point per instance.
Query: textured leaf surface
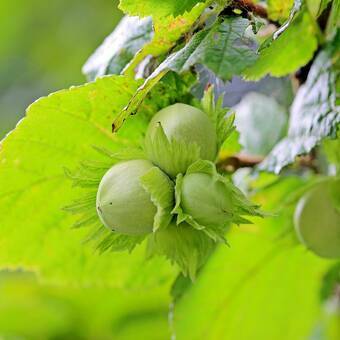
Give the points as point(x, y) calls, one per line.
point(282, 56)
point(119, 47)
point(223, 48)
point(279, 10)
point(60, 131)
point(166, 32)
point(251, 290)
point(157, 8)
point(314, 115)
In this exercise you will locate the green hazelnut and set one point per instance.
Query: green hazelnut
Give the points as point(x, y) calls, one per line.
point(317, 219)
point(187, 126)
point(209, 201)
point(123, 204)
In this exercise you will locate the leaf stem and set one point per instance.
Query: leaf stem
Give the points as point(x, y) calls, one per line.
point(249, 6)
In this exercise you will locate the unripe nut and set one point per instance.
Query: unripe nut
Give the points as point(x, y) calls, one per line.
point(317, 219)
point(186, 124)
point(123, 205)
point(206, 199)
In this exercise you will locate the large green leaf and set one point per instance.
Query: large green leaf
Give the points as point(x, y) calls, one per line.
point(253, 290)
point(32, 311)
point(119, 47)
point(223, 48)
point(156, 8)
point(292, 49)
point(314, 114)
point(166, 32)
point(60, 131)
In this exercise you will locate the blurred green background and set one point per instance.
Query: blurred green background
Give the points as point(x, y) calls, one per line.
point(43, 45)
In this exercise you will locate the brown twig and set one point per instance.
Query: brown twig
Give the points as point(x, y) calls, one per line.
point(233, 163)
point(249, 6)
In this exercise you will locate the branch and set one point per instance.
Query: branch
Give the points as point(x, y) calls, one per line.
point(249, 6)
point(233, 163)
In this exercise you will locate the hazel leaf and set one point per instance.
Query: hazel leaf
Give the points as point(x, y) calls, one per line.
point(167, 31)
point(156, 8)
point(224, 48)
point(279, 55)
point(118, 49)
point(315, 114)
point(34, 188)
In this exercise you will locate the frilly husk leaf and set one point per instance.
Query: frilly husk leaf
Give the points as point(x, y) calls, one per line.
point(181, 154)
point(218, 114)
point(183, 245)
point(161, 189)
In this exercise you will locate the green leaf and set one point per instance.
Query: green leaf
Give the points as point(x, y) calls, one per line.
point(60, 131)
point(281, 56)
point(161, 189)
point(184, 245)
point(314, 115)
point(182, 154)
point(223, 48)
point(166, 33)
point(119, 47)
point(279, 10)
point(73, 312)
point(261, 122)
point(235, 283)
point(316, 7)
point(333, 22)
point(331, 147)
point(156, 8)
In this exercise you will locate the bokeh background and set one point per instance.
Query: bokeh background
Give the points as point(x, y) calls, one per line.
point(43, 45)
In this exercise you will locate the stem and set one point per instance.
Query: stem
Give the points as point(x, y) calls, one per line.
point(249, 6)
point(233, 163)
